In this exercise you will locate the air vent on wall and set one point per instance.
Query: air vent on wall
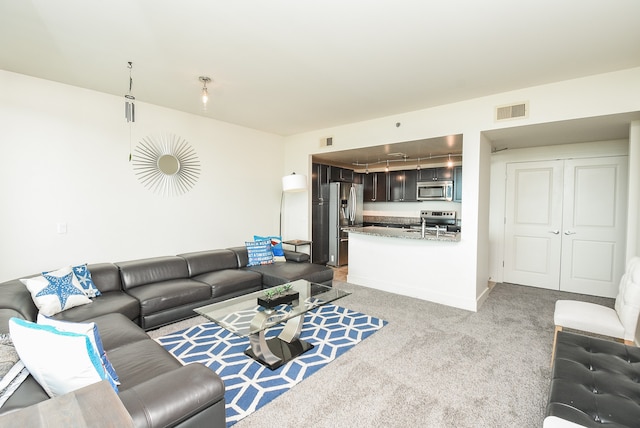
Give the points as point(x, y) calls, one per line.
point(326, 142)
point(513, 111)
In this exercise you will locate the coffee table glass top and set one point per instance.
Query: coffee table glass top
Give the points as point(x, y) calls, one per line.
point(236, 314)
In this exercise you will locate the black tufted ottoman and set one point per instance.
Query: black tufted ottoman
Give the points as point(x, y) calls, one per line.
point(594, 383)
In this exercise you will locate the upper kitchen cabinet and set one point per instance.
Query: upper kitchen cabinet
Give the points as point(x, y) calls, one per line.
point(435, 174)
point(341, 174)
point(402, 186)
point(375, 186)
point(457, 184)
point(319, 182)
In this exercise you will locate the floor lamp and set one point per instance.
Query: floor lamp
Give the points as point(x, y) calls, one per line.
point(291, 183)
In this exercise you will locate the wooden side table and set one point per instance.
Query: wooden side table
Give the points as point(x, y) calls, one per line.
point(295, 243)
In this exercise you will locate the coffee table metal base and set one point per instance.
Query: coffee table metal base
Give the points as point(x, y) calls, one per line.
point(279, 350)
point(282, 351)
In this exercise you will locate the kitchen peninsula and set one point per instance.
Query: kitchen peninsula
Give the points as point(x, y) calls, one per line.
point(401, 261)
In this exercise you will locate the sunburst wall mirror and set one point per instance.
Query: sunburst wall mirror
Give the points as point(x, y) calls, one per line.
point(166, 164)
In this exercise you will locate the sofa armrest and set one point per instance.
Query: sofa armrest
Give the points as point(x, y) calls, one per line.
point(293, 256)
point(174, 396)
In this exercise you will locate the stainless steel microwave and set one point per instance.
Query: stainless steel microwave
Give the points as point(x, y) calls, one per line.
point(435, 190)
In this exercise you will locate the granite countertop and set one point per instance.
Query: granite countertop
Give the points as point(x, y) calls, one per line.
point(394, 232)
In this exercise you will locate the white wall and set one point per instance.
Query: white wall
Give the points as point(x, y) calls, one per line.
point(598, 95)
point(65, 160)
point(633, 211)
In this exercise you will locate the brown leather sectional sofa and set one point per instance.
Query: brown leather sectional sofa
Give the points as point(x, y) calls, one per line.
point(145, 294)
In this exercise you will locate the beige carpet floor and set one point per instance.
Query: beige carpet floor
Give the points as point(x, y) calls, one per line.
point(431, 366)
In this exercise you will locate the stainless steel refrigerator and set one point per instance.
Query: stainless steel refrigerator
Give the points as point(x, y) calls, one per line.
point(345, 211)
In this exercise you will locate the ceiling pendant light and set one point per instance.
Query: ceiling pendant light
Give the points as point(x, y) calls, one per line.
point(418, 167)
point(386, 168)
point(450, 162)
point(205, 92)
point(129, 105)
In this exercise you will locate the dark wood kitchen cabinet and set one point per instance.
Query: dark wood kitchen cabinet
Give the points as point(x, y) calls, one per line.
point(341, 174)
point(435, 174)
point(402, 186)
point(457, 184)
point(375, 186)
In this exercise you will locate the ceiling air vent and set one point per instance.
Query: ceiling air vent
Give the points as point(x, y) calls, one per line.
point(513, 111)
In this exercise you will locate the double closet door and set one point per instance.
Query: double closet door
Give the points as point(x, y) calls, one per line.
point(565, 224)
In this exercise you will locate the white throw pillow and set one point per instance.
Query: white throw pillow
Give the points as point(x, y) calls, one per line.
point(90, 329)
point(59, 361)
point(56, 291)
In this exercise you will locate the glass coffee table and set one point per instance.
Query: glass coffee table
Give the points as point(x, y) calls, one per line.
point(252, 314)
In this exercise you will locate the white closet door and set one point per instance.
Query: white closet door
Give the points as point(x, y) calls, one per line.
point(533, 223)
point(594, 225)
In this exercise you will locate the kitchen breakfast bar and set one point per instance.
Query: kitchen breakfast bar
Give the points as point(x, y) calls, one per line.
point(409, 262)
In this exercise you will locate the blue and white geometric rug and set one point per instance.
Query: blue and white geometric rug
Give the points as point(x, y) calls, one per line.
point(249, 385)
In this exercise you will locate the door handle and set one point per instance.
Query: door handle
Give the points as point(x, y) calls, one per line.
point(568, 232)
point(555, 232)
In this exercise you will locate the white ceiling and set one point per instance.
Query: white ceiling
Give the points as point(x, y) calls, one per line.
point(289, 66)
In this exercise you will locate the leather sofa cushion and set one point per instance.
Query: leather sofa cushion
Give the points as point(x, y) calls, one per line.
point(116, 331)
point(135, 273)
point(106, 303)
point(105, 276)
point(231, 282)
point(15, 296)
point(164, 295)
point(208, 261)
point(280, 273)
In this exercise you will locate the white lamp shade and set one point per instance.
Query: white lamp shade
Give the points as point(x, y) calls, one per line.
point(294, 183)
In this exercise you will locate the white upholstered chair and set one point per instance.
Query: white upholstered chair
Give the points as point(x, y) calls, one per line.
point(619, 323)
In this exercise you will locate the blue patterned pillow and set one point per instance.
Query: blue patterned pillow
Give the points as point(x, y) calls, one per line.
point(56, 291)
point(84, 278)
point(259, 253)
point(276, 244)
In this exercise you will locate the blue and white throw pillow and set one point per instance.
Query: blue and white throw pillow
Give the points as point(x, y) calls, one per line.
point(276, 246)
point(90, 329)
point(56, 291)
point(60, 361)
point(259, 253)
point(84, 278)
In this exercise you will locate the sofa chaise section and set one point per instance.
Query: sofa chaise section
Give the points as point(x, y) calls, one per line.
point(219, 269)
point(155, 388)
point(163, 289)
point(296, 267)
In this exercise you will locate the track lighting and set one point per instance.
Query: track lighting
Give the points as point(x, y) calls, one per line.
point(447, 159)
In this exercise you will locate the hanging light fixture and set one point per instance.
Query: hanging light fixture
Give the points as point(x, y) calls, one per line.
point(129, 105)
point(205, 92)
point(450, 162)
point(418, 166)
point(386, 168)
